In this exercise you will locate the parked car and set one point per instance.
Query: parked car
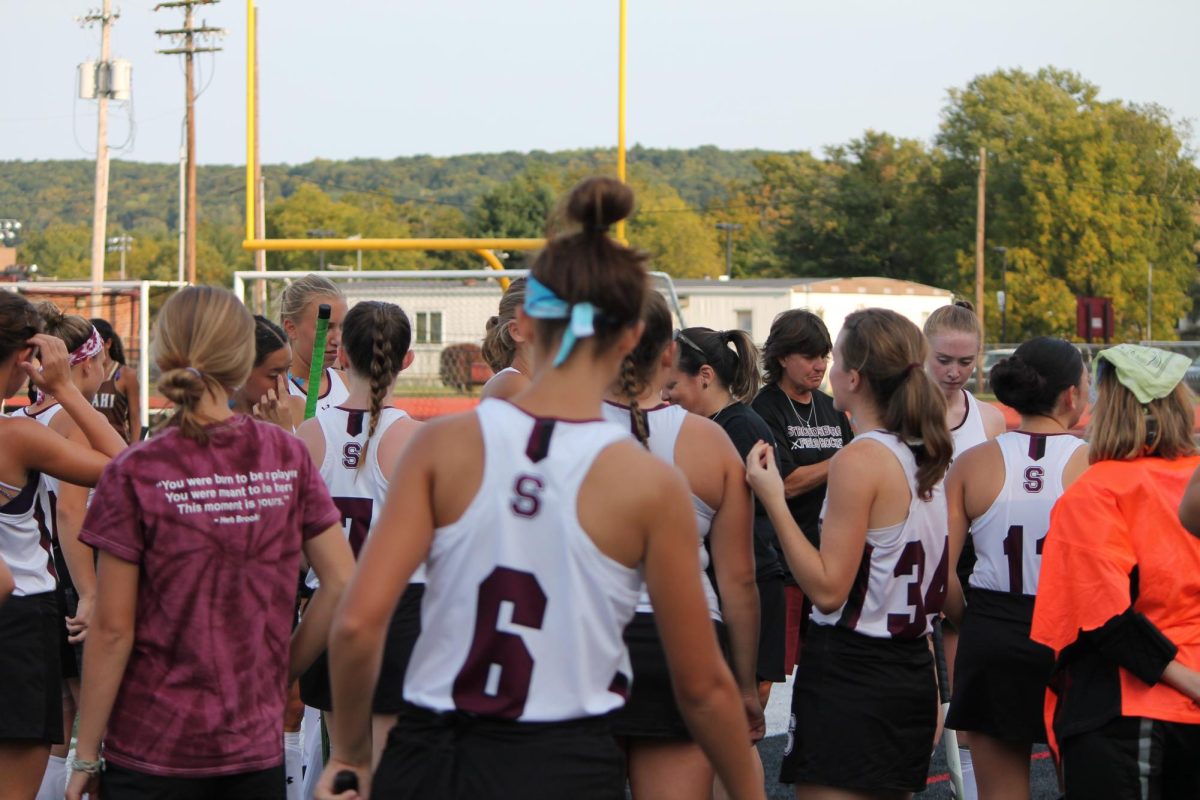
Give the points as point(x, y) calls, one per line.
point(462, 367)
point(990, 359)
point(1192, 376)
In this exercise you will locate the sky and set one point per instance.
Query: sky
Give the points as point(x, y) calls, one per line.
point(390, 78)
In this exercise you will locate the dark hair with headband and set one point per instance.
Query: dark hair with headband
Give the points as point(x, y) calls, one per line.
point(586, 265)
point(888, 350)
point(736, 368)
point(1031, 379)
point(268, 337)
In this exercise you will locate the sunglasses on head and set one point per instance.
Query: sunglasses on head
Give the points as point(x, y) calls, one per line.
point(679, 336)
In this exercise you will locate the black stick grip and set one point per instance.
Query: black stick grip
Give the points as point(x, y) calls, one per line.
point(324, 311)
point(345, 781)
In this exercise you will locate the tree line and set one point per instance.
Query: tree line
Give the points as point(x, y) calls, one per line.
point(1084, 195)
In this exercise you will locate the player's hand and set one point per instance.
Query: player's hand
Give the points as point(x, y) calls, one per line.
point(49, 366)
point(273, 406)
point(81, 783)
point(754, 715)
point(324, 788)
point(762, 474)
point(77, 626)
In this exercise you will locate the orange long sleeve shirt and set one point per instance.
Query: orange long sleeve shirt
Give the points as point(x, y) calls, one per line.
point(1117, 516)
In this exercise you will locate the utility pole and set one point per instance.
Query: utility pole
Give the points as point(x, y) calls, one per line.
point(728, 228)
point(186, 36)
point(105, 16)
point(979, 252)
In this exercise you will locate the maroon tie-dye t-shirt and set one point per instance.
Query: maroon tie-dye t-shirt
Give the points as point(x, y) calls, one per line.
point(216, 530)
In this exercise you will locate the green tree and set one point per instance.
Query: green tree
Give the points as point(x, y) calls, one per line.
point(680, 240)
point(1095, 191)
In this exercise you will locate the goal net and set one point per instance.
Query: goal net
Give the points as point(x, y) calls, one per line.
point(448, 310)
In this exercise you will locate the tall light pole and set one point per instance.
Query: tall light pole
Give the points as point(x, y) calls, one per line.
point(728, 228)
point(120, 244)
point(1002, 295)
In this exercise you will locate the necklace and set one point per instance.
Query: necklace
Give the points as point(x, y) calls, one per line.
point(717, 415)
point(812, 412)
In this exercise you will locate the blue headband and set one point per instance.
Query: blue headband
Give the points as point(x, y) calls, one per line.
point(542, 303)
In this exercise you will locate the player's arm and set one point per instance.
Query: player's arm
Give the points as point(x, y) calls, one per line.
point(731, 537)
point(314, 440)
point(132, 389)
point(705, 690)
point(1189, 507)
point(956, 512)
point(45, 451)
point(993, 420)
point(106, 655)
point(397, 545)
point(328, 553)
point(7, 584)
point(824, 575)
point(50, 372)
point(805, 479)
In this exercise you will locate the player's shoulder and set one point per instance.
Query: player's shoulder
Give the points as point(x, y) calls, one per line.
point(992, 418)
point(638, 473)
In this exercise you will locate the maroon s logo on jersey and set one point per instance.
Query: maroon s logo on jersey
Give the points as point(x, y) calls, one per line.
point(350, 455)
point(1034, 479)
point(528, 496)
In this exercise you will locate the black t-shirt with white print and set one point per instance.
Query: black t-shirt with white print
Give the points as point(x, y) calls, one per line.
point(807, 434)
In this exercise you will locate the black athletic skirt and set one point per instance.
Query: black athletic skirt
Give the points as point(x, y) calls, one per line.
point(651, 711)
point(1000, 675)
point(31, 668)
point(457, 756)
point(772, 630)
point(864, 712)
point(402, 635)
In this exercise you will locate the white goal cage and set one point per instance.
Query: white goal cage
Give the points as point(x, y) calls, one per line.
point(127, 305)
point(448, 310)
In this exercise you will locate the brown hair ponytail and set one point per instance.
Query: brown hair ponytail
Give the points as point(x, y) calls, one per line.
point(736, 369)
point(889, 351)
point(204, 338)
point(499, 349)
point(375, 338)
point(637, 371)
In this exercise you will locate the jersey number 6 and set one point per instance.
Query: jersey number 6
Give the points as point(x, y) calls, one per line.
point(495, 679)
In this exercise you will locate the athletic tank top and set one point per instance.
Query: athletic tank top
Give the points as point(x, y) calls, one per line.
point(523, 616)
point(901, 581)
point(113, 404)
point(335, 395)
point(28, 524)
point(970, 431)
point(1008, 537)
point(358, 487)
point(504, 371)
point(664, 424)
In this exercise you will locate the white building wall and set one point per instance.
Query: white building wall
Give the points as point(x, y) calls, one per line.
point(720, 311)
point(834, 307)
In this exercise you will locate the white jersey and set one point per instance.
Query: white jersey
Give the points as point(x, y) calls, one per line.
point(504, 371)
point(970, 431)
point(1008, 537)
point(335, 395)
point(664, 424)
point(29, 524)
point(901, 582)
point(523, 616)
point(358, 487)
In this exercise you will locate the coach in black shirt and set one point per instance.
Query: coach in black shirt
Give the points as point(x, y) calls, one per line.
point(808, 430)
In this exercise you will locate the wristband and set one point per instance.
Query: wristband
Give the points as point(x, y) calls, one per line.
point(87, 767)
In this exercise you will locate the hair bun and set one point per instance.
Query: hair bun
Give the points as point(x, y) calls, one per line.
point(1016, 383)
point(598, 203)
point(492, 322)
point(51, 314)
point(183, 386)
point(967, 304)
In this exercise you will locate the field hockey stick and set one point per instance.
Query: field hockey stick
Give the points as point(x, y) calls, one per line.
point(317, 362)
point(949, 736)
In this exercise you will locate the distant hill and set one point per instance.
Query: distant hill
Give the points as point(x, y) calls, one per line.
point(40, 193)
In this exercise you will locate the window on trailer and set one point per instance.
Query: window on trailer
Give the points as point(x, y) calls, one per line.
point(429, 327)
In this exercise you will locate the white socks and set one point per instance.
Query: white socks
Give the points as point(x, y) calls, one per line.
point(970, 791)
point(293, 760)
point(314, 764)
point(54, 781)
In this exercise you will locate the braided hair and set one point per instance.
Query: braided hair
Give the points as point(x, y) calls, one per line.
point(375, 339)
point(639, 367)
